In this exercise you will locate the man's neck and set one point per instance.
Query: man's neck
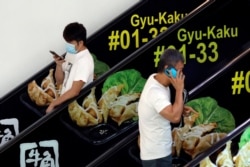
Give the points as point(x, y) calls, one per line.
point(162, 79)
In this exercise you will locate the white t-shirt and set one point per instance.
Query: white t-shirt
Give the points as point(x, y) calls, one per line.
point(77, 67)
point(155, 130)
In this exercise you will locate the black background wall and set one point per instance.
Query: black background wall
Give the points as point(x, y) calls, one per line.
point(209, 41)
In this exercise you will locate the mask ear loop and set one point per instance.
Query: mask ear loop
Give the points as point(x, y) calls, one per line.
point(185, 99)
point(185, 96)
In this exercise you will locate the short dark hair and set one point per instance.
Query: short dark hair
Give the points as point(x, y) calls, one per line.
point(170, 57)
point(75, 31)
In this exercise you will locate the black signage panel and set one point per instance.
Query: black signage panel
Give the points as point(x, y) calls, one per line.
point(208, 41)
point(137, 27)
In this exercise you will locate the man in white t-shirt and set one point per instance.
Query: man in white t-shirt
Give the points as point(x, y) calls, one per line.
point(77, 69)
point(156, 111)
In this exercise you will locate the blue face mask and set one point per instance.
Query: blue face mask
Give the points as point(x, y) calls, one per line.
point(70, 48)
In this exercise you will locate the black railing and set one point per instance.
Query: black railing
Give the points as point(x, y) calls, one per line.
point(208, 81)
point(115, 68)
point(239, 129)
point(219, 144)
point(107, 154)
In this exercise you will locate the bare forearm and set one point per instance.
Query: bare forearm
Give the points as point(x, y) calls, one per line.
point(64, 97)
point(178, 106)
point(59, 75)
point(71, 93)
point(173, 112)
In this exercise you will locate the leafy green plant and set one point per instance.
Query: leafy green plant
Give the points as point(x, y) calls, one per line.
point(210, 111)
point(100, 66)
point(131, 79)
point(245, 137)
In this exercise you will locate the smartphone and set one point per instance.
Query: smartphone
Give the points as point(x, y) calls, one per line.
point(171, 71)
point(55, 54)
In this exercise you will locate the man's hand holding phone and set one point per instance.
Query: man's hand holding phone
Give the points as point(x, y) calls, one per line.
point(56, 56)
point(58, 59)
